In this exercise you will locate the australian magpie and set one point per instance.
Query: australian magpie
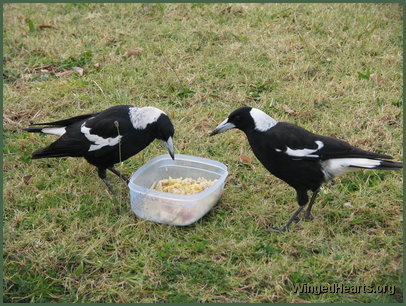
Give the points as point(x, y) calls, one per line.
point(107, 137)
point(300, 158)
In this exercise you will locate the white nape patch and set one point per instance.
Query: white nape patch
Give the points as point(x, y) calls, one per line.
point(142, 116)
point(338, 166)
point(262, 121)
point(305, 152)
point(58, 131)
point(99, 142)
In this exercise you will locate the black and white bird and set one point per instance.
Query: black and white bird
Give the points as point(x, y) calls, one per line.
point(300, 158)
point(107, 137)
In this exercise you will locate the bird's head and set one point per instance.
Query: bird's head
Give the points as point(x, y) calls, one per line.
point(164, 132)
point(246, 119)
point(156, 123)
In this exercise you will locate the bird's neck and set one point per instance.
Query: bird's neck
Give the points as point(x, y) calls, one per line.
point(262, 121)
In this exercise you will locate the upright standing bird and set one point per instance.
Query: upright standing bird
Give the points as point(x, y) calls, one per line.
point(300, 158)
point(107, 137)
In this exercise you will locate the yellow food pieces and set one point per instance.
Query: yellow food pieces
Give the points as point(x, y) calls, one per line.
point(182, 186)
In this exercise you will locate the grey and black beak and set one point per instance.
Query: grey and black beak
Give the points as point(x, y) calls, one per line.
point(169, 146)
point(222, 127)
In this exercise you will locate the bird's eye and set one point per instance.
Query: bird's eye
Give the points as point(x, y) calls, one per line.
point(237, 118)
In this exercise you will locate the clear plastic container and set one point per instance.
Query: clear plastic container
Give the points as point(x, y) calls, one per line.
point(170, 208)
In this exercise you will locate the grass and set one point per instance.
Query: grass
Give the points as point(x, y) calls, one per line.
point(335, 69)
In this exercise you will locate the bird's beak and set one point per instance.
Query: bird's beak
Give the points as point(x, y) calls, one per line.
point(169, 146)
point(222, 127)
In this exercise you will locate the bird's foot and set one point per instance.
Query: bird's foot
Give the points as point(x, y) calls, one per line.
point(118, 173)
point(279, 229)
point(308, 216)
point(109, 187)
point(125, 179)
point(113, 192)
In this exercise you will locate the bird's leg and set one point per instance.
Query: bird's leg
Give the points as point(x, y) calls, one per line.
point(293, 218)
point(307, 214)
point(116, 172)
point(103, 176)
point(302, 199)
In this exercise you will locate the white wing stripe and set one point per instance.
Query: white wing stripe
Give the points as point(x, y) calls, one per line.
point(99, 142)
point(305, 152)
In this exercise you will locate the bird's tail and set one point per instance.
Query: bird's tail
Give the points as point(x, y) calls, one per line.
point(389, 165)
point(379, 164)
point(48, 152)
point(34, 129)
point(53, 130)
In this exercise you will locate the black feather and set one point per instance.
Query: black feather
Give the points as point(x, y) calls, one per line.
point(68, 121)
point(34, 129)
point(389, 165)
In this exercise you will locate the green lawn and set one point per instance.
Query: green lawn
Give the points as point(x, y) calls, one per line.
point(333, 69)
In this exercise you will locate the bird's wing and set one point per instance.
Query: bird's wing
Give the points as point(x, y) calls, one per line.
point(112, 126)
point(298, 143)
point(335, 148)
point(111, 122)
point(105, 133)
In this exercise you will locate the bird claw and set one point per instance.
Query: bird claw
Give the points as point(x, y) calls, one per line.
point(113, 192)
point(279, 229)
point(308, 216)
point(109, 187)
point(305, 217)
point(125, 179)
